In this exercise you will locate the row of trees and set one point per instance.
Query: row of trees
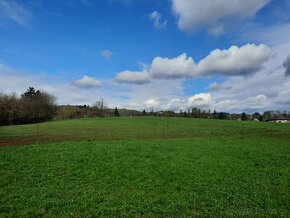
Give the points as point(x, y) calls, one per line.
point(36, 106)
point(98, 109)
point(33, 106)
point(208, 114)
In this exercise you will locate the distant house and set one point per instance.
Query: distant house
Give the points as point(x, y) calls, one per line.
point(255, 119)
point(160, 113)
point(279, 120)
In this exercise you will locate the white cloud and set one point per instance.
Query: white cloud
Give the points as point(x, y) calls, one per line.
point(257, 101)
point(166, 68)
point(207, 101)
point(11, 10)
point(151, 104)
point(200, 100)
point(250, 104)
point(156, 17)
point(86, 82)
point(244, 60)
point(130, 77)
point(106, 53)
point(174, 104)
point(266, 90)
point(213, 15)
point(160, 90)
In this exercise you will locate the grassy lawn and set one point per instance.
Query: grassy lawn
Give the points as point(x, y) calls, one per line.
point(145, 167)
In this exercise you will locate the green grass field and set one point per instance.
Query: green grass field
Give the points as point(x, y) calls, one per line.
point(145, 167)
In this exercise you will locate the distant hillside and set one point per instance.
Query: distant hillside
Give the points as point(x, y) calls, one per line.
point(128, 112)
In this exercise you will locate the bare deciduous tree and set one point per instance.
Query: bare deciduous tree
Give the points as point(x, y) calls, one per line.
point(99, 108)
point(33, 106)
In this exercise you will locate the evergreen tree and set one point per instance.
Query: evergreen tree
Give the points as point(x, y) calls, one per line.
point(184, 114)
point(30, 92)
point(215, 114)
point(116, 112)
point(244, 116)
point(194, 112)
point(258, 116)
point(223, 115)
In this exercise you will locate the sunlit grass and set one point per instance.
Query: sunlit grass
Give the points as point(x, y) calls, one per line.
point(151, 167)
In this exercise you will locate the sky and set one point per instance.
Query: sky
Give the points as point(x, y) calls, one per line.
point(226, 55)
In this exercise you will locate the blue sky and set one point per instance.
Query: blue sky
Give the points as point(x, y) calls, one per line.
point(143, 54)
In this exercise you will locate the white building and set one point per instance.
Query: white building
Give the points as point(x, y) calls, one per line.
point(279, 120)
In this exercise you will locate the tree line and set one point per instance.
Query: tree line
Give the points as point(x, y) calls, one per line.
point(31, 107)
point(98, 109)
point(35, 106)
point(208, 114)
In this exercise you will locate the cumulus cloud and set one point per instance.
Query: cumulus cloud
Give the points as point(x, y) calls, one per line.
point(234, 61)
point(266, 90)
point(166, 68)
point(286, 65)
point(245, 60)
point(207, 101)
point(86, 82)
point(11, 10)
point(106, 53)
point(213, 15)
point(160, 90)
point(257, 101)
point(131, 77)
point(156, 17)
point(250, 104)
point(151, 103)
point(200, 100)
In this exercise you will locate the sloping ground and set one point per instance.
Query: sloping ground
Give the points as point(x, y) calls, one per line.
point(150, 168)
point(153, 178)
point(138, 128)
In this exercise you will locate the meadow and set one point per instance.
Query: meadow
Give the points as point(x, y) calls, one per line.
point(145, 167)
